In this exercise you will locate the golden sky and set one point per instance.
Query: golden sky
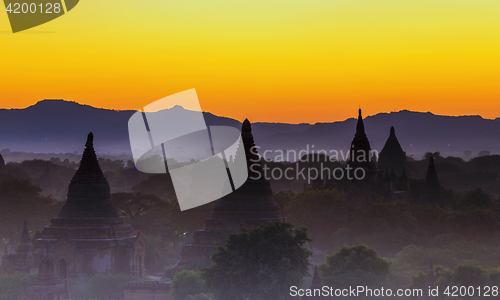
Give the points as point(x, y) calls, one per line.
point(268, 60)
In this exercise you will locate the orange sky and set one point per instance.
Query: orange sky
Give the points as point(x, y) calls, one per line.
point(277, 61)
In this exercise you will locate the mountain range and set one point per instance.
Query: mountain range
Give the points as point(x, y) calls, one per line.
point(58, 126)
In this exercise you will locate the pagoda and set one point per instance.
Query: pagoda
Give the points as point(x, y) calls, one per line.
point(47, 285)
point(89, 236)
point(392, 156)
point(432, 191)
point(248, 207)
point(25, 259)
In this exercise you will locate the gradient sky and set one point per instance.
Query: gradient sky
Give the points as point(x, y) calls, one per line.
point(273, 60)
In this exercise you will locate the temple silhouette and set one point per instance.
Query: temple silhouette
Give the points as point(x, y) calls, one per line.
point(248, 207)
point(432, 191)
point(87, 237)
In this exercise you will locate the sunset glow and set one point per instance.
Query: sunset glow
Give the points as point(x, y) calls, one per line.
point(280, 61)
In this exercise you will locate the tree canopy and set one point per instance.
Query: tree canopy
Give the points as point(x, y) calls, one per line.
point(259, 264)
point(354, 265)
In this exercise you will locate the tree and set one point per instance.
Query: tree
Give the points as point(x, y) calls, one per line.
point(11, 286)
point(20, 200)
point(259, 264)
point(354, 265)
point(477, 198)
point(187, 283)
point(484, 153)
point(145, 212)
point(469, 275)
point(156, 184)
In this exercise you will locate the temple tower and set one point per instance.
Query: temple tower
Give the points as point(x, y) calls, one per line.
point(392, 156)
point(248, 207)
point(89, 236)
point(432, 191)
point(360, 152)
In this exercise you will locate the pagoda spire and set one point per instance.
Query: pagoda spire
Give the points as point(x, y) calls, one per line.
point(252, 157)
point(25, 244)
point(316, 281)
point(360, 127)
point(432, 191)
point(89, 170)
point(431, 178)
point(25, 235)
point(89, 192)
point(248, 141)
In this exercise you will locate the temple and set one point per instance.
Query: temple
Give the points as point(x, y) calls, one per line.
point(47, 285)
point(89, 236)
point(432, 191)
point(24, 259)
point(392, 156)
point(248, 207)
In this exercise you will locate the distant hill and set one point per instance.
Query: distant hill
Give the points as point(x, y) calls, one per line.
point(60, 126)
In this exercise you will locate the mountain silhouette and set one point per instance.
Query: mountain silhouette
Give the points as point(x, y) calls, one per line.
point(58, 126)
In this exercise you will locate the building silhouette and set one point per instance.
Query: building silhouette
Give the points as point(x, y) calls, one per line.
point(89, 236)
point(248, 207)
point(432, 192)
point(360, 155)
point(392, 156)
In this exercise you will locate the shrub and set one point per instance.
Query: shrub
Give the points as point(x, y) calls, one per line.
point(355, 265)
point(12, 286)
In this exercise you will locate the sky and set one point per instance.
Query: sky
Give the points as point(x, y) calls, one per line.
point(270, 61)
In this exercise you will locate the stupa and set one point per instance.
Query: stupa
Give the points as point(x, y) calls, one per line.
point(24, 259)
point(432, 191)
point(47, 285)
point(392, 156)
point(89, 236)
point(248, 207)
